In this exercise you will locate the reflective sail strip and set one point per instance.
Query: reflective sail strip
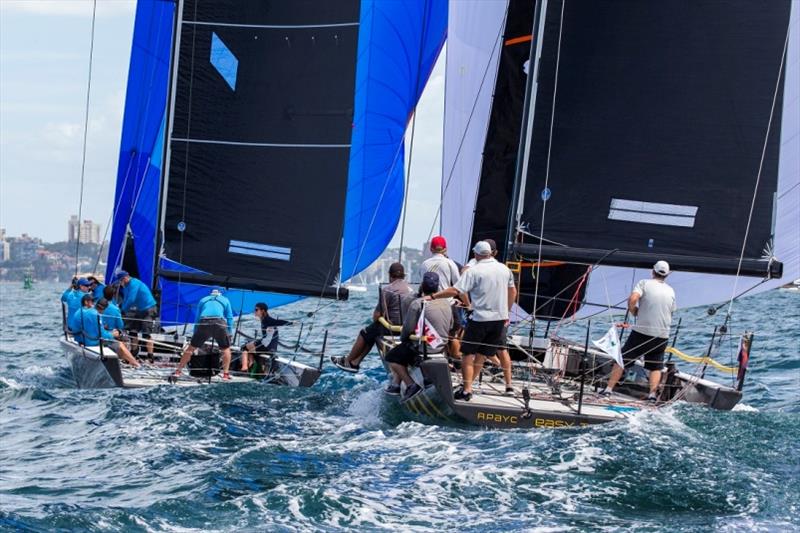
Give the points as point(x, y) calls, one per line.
point(652, 213)
point(260, 250)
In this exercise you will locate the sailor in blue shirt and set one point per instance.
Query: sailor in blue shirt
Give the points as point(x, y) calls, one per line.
point(139, 308)
point(72, 296)
point(214, 321)
point(110, 316)
point(96, 287)
point(85, 327)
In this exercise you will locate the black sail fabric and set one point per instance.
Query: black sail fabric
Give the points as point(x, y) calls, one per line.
point(260, 144)
point(661, 114)
point(557, 283)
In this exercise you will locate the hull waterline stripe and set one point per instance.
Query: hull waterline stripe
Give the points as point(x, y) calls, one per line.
point(272, 26)
point(267, 145)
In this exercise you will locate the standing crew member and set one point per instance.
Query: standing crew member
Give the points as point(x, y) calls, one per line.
point(490, 285)
point(652, 302)
point(214, 321)
point(269, 335)
point(139, 307)
point(448, 273)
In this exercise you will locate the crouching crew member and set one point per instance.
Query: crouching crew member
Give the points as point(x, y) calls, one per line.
point(438, 317)
point(268, 344)
point(85, 325)
point(214, 321)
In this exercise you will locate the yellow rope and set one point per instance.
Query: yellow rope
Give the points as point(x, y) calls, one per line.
point(699, 360)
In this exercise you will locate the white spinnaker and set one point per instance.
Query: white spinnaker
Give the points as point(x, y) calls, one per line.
point(703, 289)
point(474, 40)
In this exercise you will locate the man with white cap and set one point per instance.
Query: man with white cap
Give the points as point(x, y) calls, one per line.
point(489, 285)
point(652, 303)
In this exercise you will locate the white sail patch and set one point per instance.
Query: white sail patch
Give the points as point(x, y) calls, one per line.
point(260, 250)
point(652, 213)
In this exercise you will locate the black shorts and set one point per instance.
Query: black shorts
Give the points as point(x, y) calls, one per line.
point(142, 321)
point(373, 331)
point(484, 338)
point(211, 328)
point(403, 354)
point(651, 348)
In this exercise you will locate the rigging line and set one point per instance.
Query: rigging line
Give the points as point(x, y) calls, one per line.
point(186, 160)
point(498, 40)
point(760, 167)
point(85, 134)
point(407, 191)
point(408, 183)
point(549, 147)
point(113, 212)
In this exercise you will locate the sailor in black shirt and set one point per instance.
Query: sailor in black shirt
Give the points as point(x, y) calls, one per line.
point(268, 343)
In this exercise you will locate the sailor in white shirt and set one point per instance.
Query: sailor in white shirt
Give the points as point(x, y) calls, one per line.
point(439, 263)
point(489, 285)
point(652, 302)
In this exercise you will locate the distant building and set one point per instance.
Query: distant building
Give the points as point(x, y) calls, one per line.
point(24, 248)
point(87, 231)
point(5, 251)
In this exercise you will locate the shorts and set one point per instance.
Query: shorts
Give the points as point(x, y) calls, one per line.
point(372, 332)
point(142, 321)
point(260, 348)
point(484, 338)
point(640, 345)
point(459, 320)
point(211, 328)
point(404, 354)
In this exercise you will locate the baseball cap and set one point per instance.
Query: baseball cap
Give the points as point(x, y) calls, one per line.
point(438, 243)
point(661, 268)
point(121, 274)
point(396, 270)
point(430, 282)
point(482, 248)
point(83, 282)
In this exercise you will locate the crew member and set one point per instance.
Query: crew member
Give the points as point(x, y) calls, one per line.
point(139, 308)
point(392, 298)
point(214, 321)
point(438, 316)
point(96, 287)
point(268, 344)
point(448, 273)
point(112, 313)
point(491, 289)
point(652, 302)
point(85, 326)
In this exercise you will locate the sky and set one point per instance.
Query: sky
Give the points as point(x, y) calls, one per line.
point(44, 60)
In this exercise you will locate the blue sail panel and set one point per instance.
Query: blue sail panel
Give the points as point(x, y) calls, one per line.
point(138, 172)
point(398, 45)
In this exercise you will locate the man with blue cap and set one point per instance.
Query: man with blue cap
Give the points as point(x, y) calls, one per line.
point(72, 296)
point(139, 308)
point(86, 328)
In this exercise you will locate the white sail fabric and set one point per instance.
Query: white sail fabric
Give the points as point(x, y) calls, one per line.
point(474, 39)
point(612, 285)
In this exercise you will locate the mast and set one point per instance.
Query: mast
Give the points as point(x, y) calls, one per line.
point(165, 166)
point(521, 174)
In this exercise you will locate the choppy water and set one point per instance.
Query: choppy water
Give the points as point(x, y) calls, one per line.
point(337, 456)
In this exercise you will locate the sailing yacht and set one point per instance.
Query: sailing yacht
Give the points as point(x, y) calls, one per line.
point(261, 154)
point(592, 139)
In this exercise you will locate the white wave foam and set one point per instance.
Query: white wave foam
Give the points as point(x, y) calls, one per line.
point(743, 407)
point(11, 383)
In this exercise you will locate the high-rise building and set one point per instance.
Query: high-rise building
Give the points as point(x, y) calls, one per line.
point(87, 231)
point(5, 246)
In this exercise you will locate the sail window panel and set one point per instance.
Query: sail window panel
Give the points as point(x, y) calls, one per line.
point(272, 12)
point(224, 61)
point(668, 101)
point(652, 213)
point(292, 86)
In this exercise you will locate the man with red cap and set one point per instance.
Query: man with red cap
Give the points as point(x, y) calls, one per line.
point(448, 273)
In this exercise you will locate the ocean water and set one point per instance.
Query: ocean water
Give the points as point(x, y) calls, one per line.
point(339, 456)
